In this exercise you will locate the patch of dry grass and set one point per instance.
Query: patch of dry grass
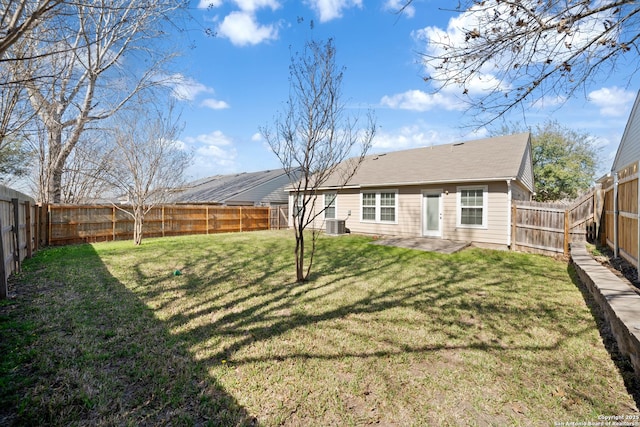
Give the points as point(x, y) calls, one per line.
point(379, 335)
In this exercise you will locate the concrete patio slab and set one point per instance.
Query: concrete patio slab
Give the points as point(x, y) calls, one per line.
point(424, 244)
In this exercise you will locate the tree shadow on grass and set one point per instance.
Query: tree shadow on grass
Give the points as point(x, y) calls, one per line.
point(82, 349)
point(239, 313)
point(251, 311)
point(622, 362)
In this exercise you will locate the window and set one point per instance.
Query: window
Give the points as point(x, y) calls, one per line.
point(330, 205)
point(369, 206)
point(379, 206)
point(298, 204)
point(388, 207)
point(472, 207)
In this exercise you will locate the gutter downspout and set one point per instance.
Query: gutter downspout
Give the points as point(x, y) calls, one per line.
point(509, 216)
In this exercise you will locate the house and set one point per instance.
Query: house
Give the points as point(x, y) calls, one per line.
point(620, 230)
point(629, 148)
point(461, 191)
point(264, 188)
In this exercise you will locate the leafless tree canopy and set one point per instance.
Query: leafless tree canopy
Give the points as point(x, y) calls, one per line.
point(20, 17)
point(499, 54)
point(84, 63)
point(147, 162)
point(315, 139)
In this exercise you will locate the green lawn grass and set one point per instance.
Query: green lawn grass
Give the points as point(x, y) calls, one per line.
point(109, 334)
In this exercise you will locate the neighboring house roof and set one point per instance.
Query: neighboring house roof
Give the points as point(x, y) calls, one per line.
point(241, 188)
point(489, 159)
point(629, 148)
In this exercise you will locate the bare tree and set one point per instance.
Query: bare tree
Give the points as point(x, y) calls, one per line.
point(14, 116)
point(314, 138)
point(106, 51)
point(20, 17)
point(147, 162)
point(499, 54)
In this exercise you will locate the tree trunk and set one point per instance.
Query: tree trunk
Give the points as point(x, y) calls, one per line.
point(300, 277)
point(138, 220)
point(55, 185)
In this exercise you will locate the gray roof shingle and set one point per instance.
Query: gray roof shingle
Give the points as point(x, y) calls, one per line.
point(243, 187)
point(487, 159)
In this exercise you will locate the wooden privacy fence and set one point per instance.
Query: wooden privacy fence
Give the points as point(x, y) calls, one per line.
point(621, 213)
point(67, 224)
point(18, 228)
point(279, 217)
point(549, 228)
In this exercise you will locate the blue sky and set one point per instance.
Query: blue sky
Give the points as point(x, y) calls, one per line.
point(235, 82)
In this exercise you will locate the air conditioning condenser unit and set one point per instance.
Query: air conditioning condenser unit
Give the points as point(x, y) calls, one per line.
point(335, 226)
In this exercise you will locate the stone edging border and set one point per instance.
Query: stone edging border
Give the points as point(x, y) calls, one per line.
point(620, 304)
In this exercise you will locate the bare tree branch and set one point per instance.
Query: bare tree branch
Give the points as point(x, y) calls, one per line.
point(313, 138)
point(105, 52)
point(148, 162)
point(19, 17)
point(499, 54)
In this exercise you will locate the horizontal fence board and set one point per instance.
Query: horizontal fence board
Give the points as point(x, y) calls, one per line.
point(543, 248)
point(540, 208)
point(536, 227)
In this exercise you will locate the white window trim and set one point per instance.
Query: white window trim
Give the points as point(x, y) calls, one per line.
point(297, 200)
point(335, 204)
point(485, 199)
point(378, 206)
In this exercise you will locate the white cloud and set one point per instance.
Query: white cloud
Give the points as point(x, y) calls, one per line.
point(242, 29)
point(256, 137)
point(216, 138)
point(214, 104)
point(186, 88)
point(400, 5)
point(332, 9)
point(613, 101)
point(417, 100)
point(420, 135)
point(215, 153)
point(435, 38)
point(253, 5)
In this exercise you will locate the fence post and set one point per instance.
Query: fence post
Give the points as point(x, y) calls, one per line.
point(16, 232)
point(616, 213)
point(27, 220)
point(49, 223)
point(44, 224)
point(162, 217)
point(206, 210)
point(4, 291)
point(566, 232)
point(240, 219)
point(638, 220)
point(36, 228)
point(113, 223)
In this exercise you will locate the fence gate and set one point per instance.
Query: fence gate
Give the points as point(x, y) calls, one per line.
point(279, 217)
point(549, 228)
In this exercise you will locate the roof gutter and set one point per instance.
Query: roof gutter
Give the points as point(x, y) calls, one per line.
point(437, 182)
